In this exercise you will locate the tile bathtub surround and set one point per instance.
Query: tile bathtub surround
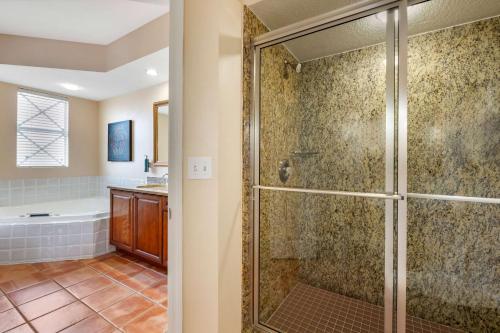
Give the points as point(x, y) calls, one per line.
point(51, 241)
point(27, 191)
point(337, 244)
point(58, 297)
point(17, 192)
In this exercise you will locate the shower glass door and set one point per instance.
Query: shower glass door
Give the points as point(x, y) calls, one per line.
point(323, 141)
point(453, 167)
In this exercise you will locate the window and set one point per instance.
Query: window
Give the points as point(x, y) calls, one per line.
point(42, 130)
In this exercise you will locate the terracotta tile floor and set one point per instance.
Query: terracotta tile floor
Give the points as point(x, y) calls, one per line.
point(108, 294)
point(309, 309)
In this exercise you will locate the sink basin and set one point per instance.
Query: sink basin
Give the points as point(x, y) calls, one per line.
point(158, 186)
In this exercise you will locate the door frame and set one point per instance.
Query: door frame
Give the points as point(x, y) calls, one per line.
point(175, 158)
point(392, 195)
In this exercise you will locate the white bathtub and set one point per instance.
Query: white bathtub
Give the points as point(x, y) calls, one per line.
point(77, 209)
point(74, 229)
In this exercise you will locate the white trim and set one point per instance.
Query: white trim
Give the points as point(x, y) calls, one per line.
point(175, 159)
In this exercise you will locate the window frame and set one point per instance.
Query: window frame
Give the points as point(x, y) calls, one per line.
point(65, 132)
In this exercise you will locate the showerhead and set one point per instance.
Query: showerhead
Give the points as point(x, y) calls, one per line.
point(297, 68)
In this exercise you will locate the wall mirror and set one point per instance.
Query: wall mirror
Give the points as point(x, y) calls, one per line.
point(160, 137)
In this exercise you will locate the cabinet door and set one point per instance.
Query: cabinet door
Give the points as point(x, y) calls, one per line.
point(165, 233)
point(148, 227)
point(122, 206)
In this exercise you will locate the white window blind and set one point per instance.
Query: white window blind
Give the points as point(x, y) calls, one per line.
point(42, 130)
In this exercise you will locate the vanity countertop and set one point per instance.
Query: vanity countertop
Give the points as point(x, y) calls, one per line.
point(160, 190)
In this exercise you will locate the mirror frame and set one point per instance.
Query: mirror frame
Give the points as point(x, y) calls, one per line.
point(156, 105)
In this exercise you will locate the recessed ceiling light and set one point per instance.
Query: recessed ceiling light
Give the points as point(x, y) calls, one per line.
point(152, 72)
point(70, 86)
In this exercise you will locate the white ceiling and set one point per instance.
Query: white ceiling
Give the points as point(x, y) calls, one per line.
point(96, 85)
point(423, 17)
point(85, 21)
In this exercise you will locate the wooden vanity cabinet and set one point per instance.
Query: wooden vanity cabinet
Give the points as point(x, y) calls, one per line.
point(139, 225)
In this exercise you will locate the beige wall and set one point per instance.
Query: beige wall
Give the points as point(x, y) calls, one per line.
point(212, 127)
point(230, 164)
point(138, 107)
point(18, 50)
point(149, 38)
point(83, 139)
point(87, 134)
point(145, 40)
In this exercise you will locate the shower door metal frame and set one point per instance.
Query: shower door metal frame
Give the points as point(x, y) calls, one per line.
point(295, 31)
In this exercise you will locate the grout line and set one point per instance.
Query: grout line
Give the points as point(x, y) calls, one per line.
point(29, 321)
point(94, 313)
point(14, 306)
point(134, 292)
point(80, 300)
point(34, 299)
point(124, 285)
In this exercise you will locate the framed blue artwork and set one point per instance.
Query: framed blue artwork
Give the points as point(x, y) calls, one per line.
point(120, 141)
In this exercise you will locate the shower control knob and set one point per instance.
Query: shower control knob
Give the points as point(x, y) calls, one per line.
point(284, 170)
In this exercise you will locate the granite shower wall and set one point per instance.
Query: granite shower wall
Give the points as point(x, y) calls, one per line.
point(337, 243)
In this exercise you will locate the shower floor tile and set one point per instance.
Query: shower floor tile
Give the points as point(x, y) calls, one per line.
point(309, 309)
point(87, 296)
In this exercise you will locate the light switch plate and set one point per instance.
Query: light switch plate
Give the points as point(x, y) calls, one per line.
point(199, 167)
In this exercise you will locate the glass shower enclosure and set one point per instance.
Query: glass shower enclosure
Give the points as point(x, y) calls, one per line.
point(375, 160)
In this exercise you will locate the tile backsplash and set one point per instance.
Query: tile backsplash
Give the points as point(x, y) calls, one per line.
point(15, 192)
